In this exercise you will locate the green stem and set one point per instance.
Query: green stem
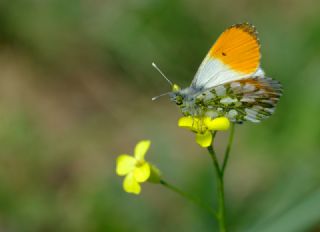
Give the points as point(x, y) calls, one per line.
point(220, 191)
point(190, 198)
point(226, 154)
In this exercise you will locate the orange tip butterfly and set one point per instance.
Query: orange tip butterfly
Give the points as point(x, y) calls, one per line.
point(230, 81)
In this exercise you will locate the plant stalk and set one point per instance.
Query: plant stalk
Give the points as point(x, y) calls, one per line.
point(221, 214)
point(220, 191)
point(227, 152)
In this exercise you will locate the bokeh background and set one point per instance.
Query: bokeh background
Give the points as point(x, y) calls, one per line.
point(76, 83)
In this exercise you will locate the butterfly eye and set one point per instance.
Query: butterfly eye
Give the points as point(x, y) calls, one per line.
point(179, 100)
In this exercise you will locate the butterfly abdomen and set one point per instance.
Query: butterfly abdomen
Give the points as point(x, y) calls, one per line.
point(252, 99)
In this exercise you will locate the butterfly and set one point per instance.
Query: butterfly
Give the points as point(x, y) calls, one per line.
point(230, 81)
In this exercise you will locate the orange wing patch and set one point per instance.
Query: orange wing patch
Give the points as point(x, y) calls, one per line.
point(239, 48)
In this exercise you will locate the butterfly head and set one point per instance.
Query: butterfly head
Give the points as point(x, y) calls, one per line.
point(176, 95)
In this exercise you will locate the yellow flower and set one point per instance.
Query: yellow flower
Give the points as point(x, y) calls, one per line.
point(135, 168)
point(203, 127)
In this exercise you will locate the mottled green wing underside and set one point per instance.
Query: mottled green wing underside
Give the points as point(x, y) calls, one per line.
point(252, 99)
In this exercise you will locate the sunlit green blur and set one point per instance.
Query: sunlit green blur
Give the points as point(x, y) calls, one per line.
point(76, 84)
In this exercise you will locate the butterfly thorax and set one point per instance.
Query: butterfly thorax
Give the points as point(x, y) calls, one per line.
point(189, 101)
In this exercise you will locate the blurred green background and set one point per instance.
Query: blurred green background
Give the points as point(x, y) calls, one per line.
point(76, 83)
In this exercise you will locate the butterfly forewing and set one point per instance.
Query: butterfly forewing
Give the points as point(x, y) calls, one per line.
point(235, 55)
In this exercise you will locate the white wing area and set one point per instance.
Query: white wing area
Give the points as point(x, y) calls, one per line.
point(213, 72)
point(259, 73)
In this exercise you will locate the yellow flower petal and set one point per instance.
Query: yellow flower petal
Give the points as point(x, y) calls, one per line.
point(130, 185)
point(125, 164)
point(221, 123)
point(142, 173)
point(141, 149)
point(204, 140)
point(185, 122)
point(191, 123)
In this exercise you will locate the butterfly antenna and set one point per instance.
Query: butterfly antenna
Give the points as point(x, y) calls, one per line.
point(156, 67)
point(155, 98)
